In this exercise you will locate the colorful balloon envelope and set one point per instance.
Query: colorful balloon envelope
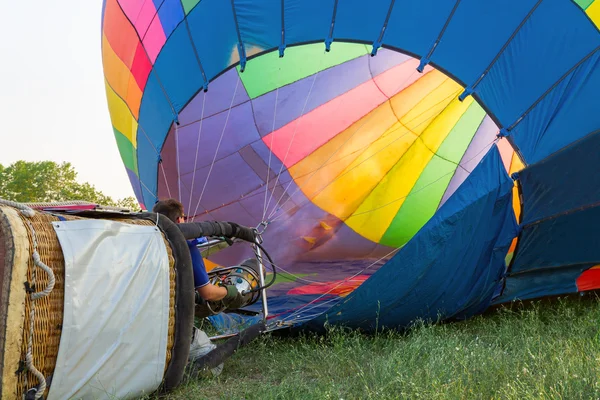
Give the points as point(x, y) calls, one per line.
point(373, 143)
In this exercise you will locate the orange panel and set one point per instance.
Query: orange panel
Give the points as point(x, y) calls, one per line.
point(120, 33)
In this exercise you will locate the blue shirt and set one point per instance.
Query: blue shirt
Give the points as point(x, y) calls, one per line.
point(200, 275)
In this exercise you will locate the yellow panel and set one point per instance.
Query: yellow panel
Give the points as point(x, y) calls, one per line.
point(357, 180)
point(593, 11)
point(356, 159)
point(320, 168)
point(375, 214)
point(120, 78)
point(431, 105)
point(120, 115)
point(515, 166)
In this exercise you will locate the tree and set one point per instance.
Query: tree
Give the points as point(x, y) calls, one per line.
point(48, 181)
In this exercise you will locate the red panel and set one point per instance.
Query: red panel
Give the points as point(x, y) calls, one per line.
point(141, 67)
point(337, 288)
point(589, 279)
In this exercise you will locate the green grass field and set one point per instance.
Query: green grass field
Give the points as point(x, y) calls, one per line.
point(541, 350)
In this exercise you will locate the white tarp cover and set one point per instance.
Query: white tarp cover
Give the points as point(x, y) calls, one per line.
point(116, 311)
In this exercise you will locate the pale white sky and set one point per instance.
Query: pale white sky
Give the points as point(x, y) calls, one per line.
point(52, 99)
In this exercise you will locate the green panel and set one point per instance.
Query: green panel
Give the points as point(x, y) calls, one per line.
point(268, 72)
point(424, 198)
point(421, 203)
point(188, 5)
point(457, 141)
point(584, 3)
point(127, 151)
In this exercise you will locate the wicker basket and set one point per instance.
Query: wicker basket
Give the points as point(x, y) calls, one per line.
point(17, 268)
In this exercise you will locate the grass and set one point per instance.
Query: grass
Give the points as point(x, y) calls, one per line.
point(541, 350)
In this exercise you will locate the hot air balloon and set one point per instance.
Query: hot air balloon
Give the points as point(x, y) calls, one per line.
point(398, 161)
point(391, 153)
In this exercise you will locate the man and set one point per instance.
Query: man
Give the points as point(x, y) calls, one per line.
point(228, 294)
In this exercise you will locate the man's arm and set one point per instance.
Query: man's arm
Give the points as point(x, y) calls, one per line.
point(210, 292)
point(206, 290)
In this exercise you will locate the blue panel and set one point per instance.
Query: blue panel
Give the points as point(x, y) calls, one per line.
point(569, 239)
point(156, 114)
point(563, 182)
point(170, 14)
point(135, 184)
point(148, 169)
point(565, 115)
point(213, 29)
point(452, 267)
point(561, 210)
point(307, 20)
point(541, 283)
point(415, 25)
point(178, 68)
point(476, 33)
point(356, 20)
point(255, 21)
point(545, 48)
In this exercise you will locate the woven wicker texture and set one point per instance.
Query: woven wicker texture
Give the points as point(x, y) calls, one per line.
point(49, 310)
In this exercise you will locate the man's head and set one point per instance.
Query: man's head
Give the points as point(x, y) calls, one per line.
point(170, 208)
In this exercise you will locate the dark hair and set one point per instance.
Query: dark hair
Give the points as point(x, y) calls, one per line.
point(170, 207)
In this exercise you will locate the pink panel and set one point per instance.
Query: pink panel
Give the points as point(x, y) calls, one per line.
point(311, 131)
point(154, 39)
point(140, 13)
point(400, 77)
point(506, 152)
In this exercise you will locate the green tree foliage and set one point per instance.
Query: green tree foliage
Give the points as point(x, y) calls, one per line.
point(48, 181)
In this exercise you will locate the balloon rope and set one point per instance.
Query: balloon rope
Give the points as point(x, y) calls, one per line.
point(271, 146)
point(37, 261)
point(237, 82)
point(303, 308)
point(177, 159)
point(413, 192)
point(162, 167)
point(295, 131)
point(276, 208)
point(371, 116)
point(196, 157)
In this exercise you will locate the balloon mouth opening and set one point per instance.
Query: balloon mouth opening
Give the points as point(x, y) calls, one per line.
point(344, 155)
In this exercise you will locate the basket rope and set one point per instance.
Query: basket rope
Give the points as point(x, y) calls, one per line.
point(29, 212)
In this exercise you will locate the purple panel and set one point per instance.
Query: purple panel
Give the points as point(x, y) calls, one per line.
point(230, 178)
point(347, 244)
point(135, 184)
point(239, 132)
point(234, 212)
point(218, 98)
point(336, 254)
point(254, 202)
point(479, 146)
point(386, 59)
point(191, 206)
point(263, 151)
point(170, 187)
point(328, 85)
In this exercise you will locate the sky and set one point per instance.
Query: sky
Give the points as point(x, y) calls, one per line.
point(52, 98)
